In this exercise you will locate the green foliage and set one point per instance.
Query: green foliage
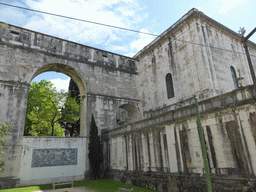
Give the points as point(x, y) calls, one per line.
point(29, 188)
point(105, 185)
point(95, 150)
point(3, 132)
point(2, 24)
point(46, 110)
point(108, 185)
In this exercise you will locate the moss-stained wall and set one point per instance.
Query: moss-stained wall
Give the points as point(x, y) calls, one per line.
point(171, 148)
point(105, 80)
point(198, 52)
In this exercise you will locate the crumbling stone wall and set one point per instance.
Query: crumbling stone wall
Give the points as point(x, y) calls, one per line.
point(105, 80)
point(158, 145)
point(182, 182)
point(166, 150)
point(198, 52)
point(13, 107)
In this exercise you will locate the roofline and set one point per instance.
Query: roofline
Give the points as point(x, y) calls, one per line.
point(65, 40)
point(191, 14)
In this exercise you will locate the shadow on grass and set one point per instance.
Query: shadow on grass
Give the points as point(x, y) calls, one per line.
point(104, 185)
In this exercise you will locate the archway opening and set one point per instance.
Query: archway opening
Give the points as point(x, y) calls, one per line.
point(69, 117)
point(127, 112)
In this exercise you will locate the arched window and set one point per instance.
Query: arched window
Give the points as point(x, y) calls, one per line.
point(169, 85)
point(233, 73)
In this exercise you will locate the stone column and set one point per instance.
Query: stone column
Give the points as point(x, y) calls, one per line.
point(123, 165)
point(152, 152)
point(248, 119)
point(165, 155)
point(145, 151)
point(169, 129)
point(130, 156)
point(13, 104)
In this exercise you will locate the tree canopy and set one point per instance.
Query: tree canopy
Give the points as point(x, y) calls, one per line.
point(47, 109)
point(73, 129)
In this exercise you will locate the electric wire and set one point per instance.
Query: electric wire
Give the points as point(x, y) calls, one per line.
point(121, 28)
point(72, 18)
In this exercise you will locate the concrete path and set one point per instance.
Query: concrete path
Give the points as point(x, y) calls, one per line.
point(74, 189)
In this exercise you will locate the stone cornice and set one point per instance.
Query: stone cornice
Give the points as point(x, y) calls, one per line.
point(219, 103)
point(193, 13)
point(14, 83)
point(115, 97)
point(102, 64)
point(31, 31)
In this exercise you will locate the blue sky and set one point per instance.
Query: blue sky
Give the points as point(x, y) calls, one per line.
point(143, 15)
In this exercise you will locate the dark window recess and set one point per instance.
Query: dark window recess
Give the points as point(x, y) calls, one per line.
point(233, 73)
point(153, 59)
point(169, 85)
point(131, 63)
point(15, 33)
point(104, 54)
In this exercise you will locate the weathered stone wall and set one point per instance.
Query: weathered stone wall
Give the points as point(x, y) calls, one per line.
point(52, 159)
point(13, 107)
point(105, 80)
point(25, 54)
point(157, 146)
point(169, 144)
point(198, 52)
point(182, 182)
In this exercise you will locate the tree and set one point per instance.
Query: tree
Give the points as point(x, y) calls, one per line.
point(3, 132)
point(46, 110)
point(73, 88)
point(95, 150)
point(73, 129)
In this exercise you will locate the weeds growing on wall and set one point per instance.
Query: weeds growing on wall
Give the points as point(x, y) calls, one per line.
point(3, 132)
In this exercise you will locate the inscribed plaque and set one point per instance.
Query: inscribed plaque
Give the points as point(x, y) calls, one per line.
point(54, 157)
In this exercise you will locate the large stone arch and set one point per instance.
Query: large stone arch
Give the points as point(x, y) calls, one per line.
point(74, 74)
point(106, 80)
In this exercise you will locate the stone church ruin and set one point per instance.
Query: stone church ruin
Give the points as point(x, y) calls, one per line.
point(144, 107)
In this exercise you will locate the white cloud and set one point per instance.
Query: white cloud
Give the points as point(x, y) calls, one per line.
point(61, 84)
point(121, 13)
point(126, 12)
point(10, 15)
point(119, 48)
point(140, 43)
point(224, 6)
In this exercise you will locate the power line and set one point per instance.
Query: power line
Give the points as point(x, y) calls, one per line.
point(66, 17)
point(222, 49)
point(121, 28)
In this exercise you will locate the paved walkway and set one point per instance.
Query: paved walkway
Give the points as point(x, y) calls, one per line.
point(74, 189)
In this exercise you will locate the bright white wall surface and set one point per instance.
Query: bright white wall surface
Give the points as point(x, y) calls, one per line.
point(30, 175)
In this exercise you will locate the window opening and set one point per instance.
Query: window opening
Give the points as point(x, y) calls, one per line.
point(169, 86)
point(234, 77)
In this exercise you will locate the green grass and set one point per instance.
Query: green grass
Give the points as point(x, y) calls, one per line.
point(108, 185)
point(29, 188)
point(104, 185)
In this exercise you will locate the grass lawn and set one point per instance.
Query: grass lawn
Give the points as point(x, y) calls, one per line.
point(105, 185)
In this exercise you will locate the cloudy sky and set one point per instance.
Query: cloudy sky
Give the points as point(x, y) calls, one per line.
point(153, 16)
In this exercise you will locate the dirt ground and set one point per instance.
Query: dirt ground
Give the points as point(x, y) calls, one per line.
point(74, 189)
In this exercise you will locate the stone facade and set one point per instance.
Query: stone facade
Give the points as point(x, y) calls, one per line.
point(144, 106)
point(162, 150)
point(105, 80)
point(166, 148)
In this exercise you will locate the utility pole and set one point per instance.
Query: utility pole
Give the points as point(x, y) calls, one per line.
point(244, 41)
point(203, 147)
